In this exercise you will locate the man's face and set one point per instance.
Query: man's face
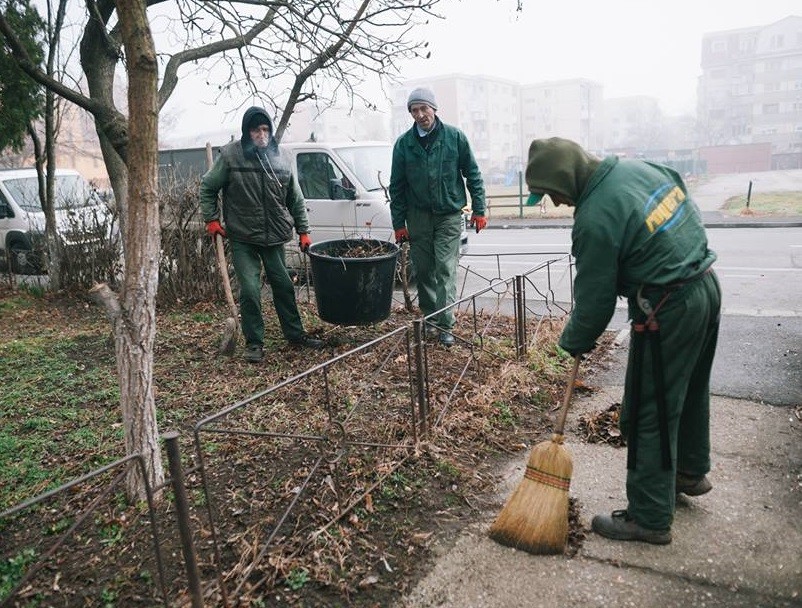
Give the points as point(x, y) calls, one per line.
point(260, 136)
point(423, 114)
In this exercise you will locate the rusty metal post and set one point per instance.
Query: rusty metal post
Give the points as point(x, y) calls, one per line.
point(519, 296)
point(749, 194)
point(182, 515)
point(419, 333)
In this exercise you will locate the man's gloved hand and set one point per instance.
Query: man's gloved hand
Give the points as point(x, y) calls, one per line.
point(401, 235)
point(480, 221)
point(214, 227)
point(304, 241)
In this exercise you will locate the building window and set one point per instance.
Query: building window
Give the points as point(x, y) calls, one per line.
point(771, 108)
point(718, 46)
point(774, 65)
point(776, 41)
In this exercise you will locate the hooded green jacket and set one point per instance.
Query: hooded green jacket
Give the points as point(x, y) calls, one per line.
point(434, 180)
point(634, 224)
point(261, 197)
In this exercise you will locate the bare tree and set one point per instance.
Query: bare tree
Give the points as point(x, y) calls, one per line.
point(264, 49)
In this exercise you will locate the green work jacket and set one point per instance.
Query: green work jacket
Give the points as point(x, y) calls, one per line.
point(634, 225)
point(434, 179)
point(261, 200)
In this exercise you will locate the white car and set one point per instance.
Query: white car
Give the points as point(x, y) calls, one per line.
point(344, 185)
point(80, 214)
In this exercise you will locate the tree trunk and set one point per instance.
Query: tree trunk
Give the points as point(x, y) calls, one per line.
point(133, 314)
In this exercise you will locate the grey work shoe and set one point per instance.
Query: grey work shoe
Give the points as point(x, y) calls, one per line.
point(620, 526)
point(307, 341)
point(254, 353)
point(446, 338)
point(693, 485)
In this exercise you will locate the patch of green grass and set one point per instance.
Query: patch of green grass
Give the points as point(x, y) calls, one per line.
point(13, 569)
point(503, 414)
point(60, 402)
point(297, 578)
point(769, 203)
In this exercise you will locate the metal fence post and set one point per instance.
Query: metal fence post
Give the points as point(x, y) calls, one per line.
point(182, 515)
point(419, 333)
point(519, 295)
point(520, 194)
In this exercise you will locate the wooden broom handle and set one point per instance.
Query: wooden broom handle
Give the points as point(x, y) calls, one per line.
point(569, 391)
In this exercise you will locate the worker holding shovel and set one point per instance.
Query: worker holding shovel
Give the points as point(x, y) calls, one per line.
point(638, 234)
point(261, 204)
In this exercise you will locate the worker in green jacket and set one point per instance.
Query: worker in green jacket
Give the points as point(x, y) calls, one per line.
point(262, 203)
point(432, 165)
point(638, 234)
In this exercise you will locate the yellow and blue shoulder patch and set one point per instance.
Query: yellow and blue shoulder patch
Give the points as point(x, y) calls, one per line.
point(664, 207)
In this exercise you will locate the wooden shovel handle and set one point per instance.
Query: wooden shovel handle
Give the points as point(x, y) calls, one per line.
point(569, 391)
point(223, 266)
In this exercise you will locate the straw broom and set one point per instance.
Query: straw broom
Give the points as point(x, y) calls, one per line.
point(535, 518)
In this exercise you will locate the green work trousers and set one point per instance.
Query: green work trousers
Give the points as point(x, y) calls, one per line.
point(248, 262)
point(434, 242)
point(688, 324)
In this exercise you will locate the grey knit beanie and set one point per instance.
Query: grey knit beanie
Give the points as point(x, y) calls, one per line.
point(422, 95)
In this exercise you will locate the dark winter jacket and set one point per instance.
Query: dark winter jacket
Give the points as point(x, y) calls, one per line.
point(261, 197)
point(434, 177)
point(634, 225)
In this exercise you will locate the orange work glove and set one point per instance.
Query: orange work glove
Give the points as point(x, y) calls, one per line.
point(480, 221)
point(304, 241)
point(401, 235)
point(214, 227)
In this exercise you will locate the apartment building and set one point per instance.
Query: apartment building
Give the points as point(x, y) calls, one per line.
point(750, 90)
point(573, 109)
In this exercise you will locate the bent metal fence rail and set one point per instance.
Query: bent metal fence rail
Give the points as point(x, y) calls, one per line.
point(265, 484)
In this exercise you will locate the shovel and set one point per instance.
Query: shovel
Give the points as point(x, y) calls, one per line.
point(228, 344)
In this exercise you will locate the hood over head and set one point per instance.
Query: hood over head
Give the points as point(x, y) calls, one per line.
point(253, 117)
point(560, 166)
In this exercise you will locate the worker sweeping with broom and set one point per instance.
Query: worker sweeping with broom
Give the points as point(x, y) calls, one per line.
point(638, 234)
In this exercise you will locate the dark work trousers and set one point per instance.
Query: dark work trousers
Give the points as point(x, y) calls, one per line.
point(248, 262)
point(688, 322)
point(434, 242)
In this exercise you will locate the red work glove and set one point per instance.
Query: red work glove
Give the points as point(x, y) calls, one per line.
point(214, 227)
point(480, 221)
point(304, 241)
point(401, 235)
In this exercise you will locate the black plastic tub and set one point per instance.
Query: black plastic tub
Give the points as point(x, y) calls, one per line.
point(352, 287)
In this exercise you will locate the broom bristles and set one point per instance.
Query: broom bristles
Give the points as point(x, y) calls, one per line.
point(535, 518)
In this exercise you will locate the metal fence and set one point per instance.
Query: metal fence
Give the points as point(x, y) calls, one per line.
point(266, 481)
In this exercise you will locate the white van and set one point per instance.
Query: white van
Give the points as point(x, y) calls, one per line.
point(80, 213)
point(344, 185)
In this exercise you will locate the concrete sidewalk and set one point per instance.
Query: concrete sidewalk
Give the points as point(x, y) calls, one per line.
point(738, 546)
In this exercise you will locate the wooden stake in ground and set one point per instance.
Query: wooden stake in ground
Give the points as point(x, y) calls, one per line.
point(228, 343)
point(535, 518)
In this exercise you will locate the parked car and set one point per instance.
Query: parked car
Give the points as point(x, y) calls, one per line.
point(82, 218)
point(343, 184)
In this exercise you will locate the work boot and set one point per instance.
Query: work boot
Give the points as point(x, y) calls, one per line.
point(620, 526)
point(446, 338)
point(254, 353)
point(307, 341)
point(693, 485)
point(432, 332)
